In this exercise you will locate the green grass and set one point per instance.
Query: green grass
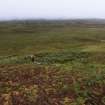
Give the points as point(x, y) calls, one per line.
point(68, 67)
point(23, 39)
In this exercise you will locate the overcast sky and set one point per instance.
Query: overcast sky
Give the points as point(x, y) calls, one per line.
point(23, 9)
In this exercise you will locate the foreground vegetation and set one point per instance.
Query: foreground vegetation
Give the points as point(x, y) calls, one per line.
point(52, 63)
point(52, 85)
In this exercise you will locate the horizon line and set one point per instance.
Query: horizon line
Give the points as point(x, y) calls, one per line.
point(45, 19)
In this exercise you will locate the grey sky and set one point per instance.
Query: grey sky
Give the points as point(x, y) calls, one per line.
point(12, 9)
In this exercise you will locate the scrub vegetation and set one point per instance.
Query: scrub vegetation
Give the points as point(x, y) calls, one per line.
point(52, 62)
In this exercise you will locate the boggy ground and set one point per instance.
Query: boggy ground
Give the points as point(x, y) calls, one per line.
point(50, 85)
point(68, 66)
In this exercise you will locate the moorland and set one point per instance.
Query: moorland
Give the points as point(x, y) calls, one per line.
point(52, 62)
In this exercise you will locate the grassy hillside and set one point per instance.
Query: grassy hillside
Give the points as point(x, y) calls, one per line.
point(19, 39)
point(52, 62)
point(26, 38)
